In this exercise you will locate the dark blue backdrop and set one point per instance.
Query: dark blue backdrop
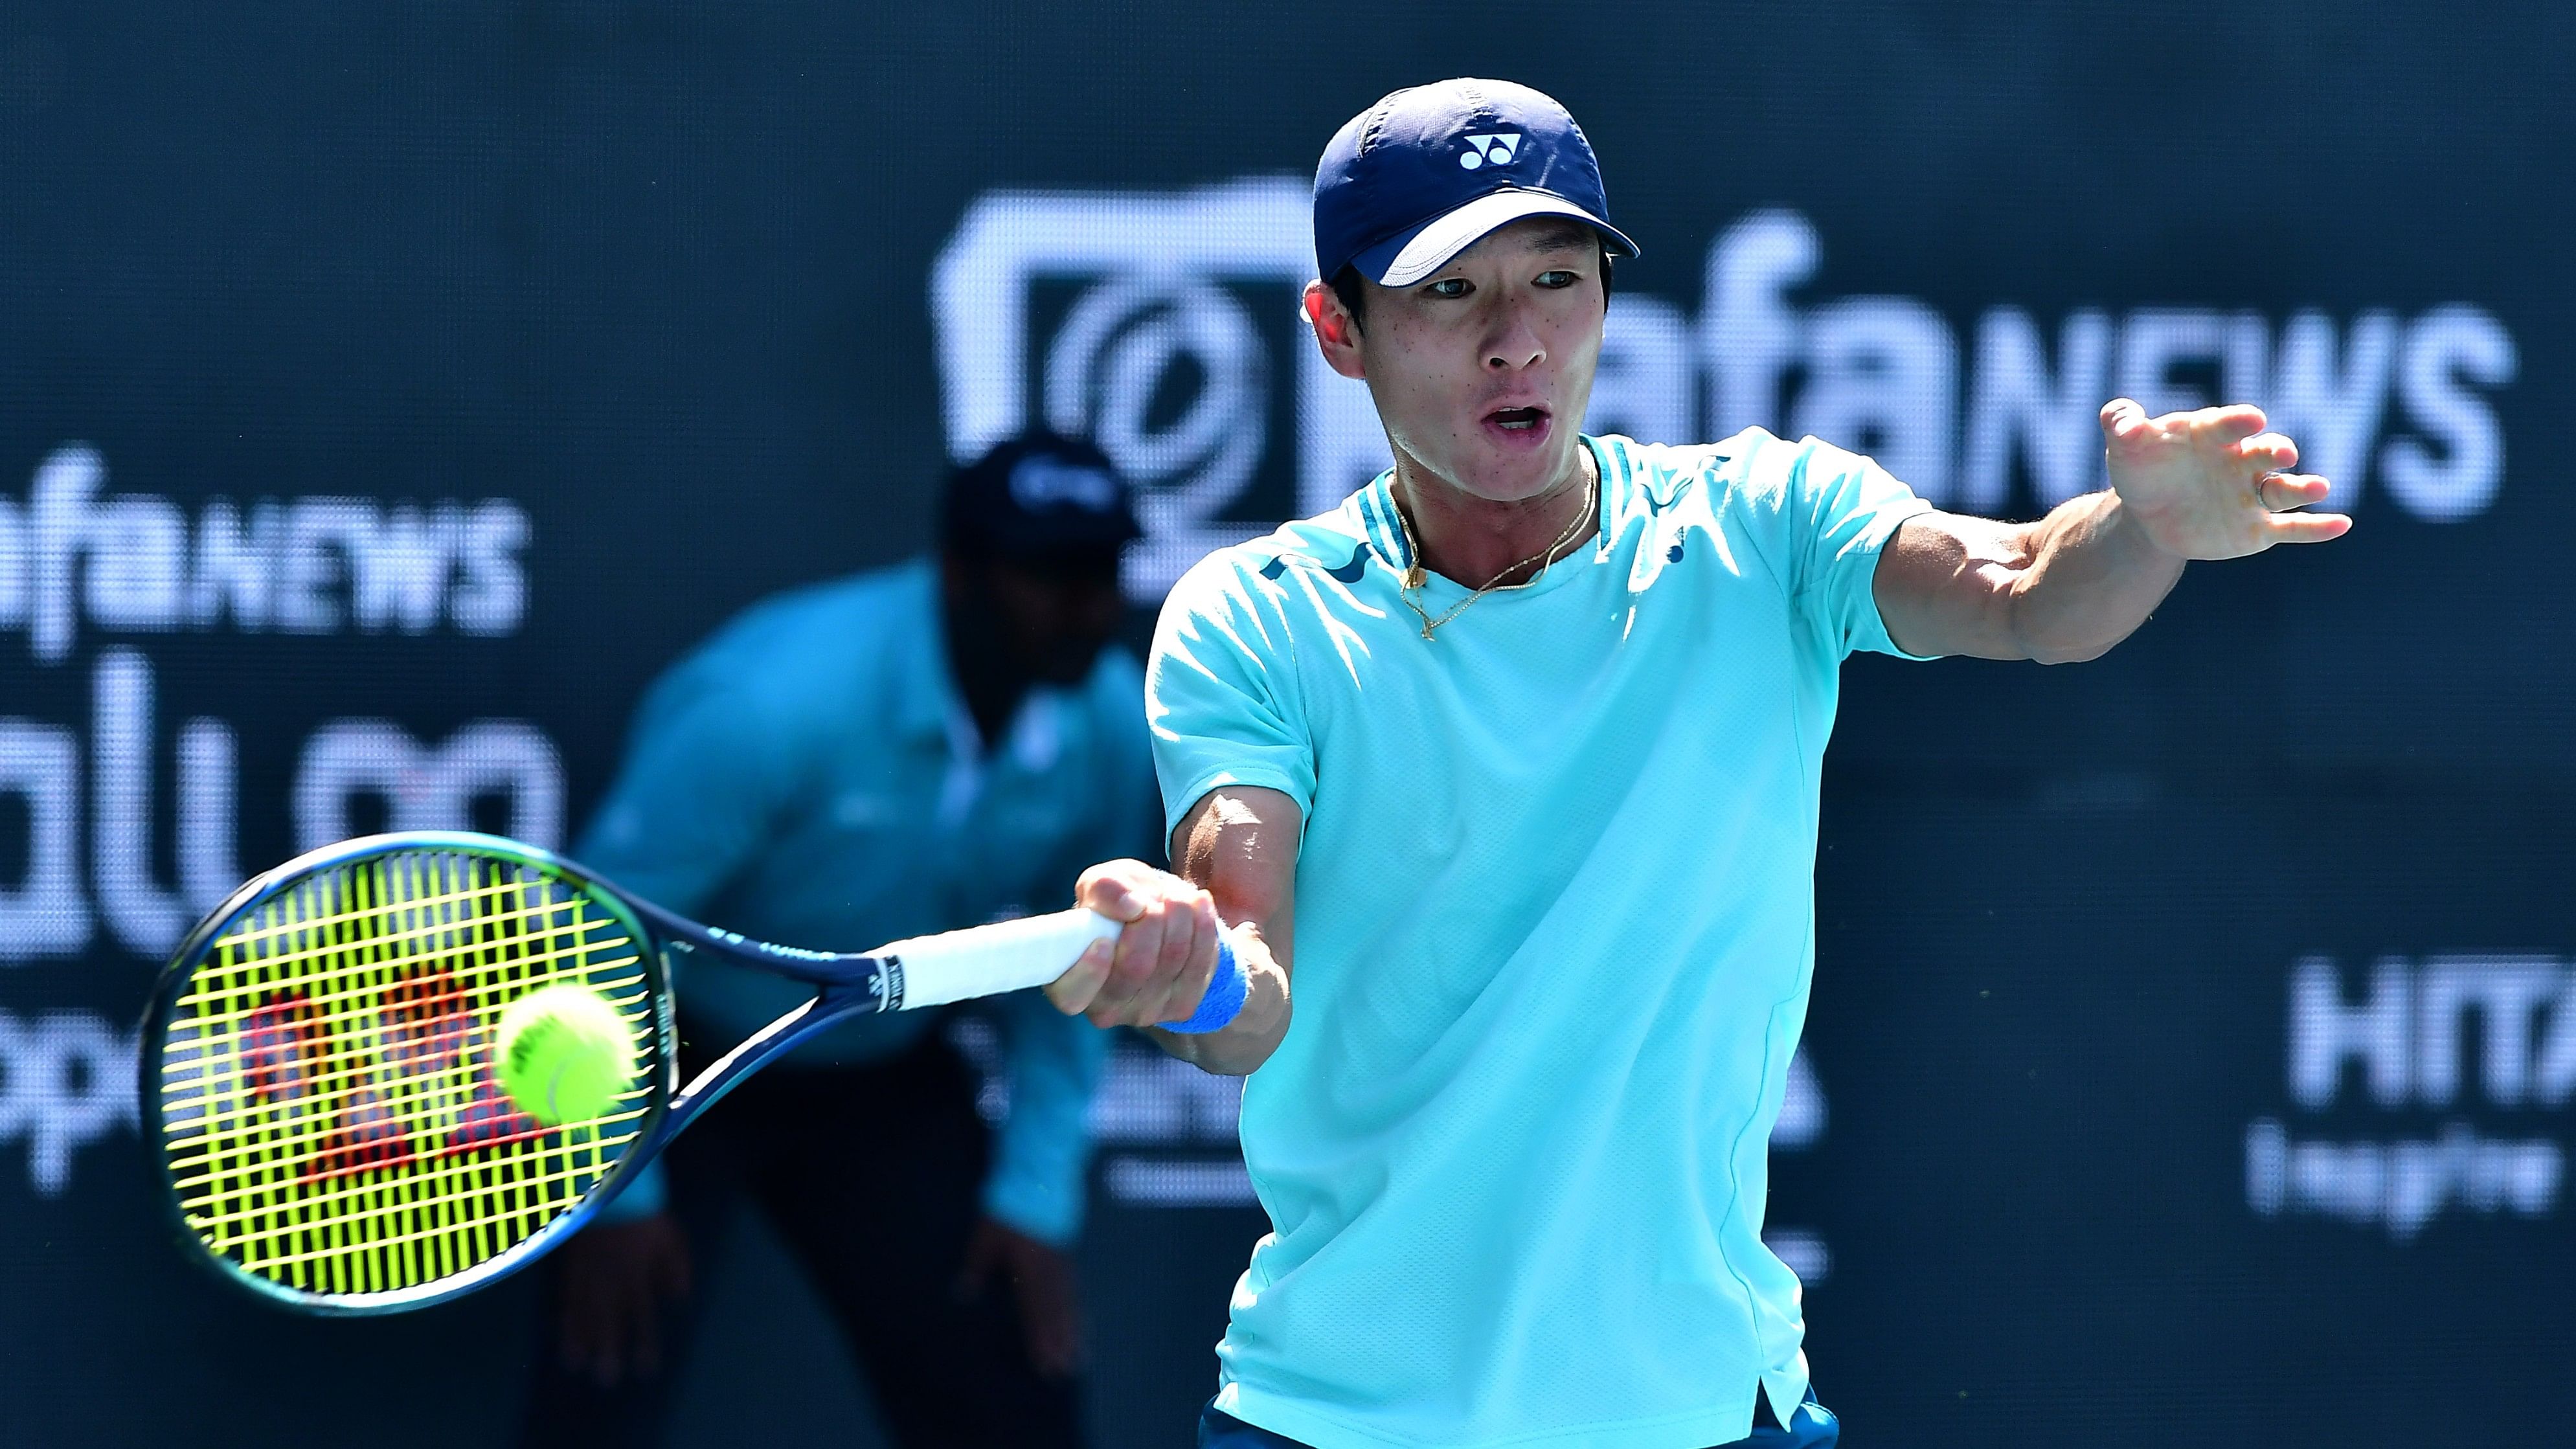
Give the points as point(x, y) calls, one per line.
point(387, 392)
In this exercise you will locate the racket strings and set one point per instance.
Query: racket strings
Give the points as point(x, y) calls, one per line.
point(282, 1044)
point(332, 1123)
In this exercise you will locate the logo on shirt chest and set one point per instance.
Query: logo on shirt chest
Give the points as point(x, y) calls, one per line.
point(1655, 507)
point(1350, 572)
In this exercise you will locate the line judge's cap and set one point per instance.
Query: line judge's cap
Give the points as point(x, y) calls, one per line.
point(1035, 495)
point(1426, 172)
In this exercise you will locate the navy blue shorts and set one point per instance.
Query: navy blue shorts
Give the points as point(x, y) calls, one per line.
point(1812, 1427)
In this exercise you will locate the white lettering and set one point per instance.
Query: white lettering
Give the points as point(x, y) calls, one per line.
point(321, 537)
point(2012, 404)
point(137, 553)
point(1146, 1097)
point(44, 914)
point(236, 568)
point(2443, 347)
point(2507, 992)
point(1748, 336)
point(47, 913)
point(2244, 357)
point(147, 919)
point(1161, 1182)
point(1801, 1252)
point(58, 501)
point(2400, 1185)
point(2324, 1032)
point(308, 566)
point(2156, 340)
point(1801, 1122)
point(1643, 386)
point(208, 790)
point(1158, 281)
point(426, 788)
point(2554, 1080)
point(494, 593)
point(2267, 1167)
point(399, 577)
point(66, 1080)
point(14, 557)
point(1882, 378)
point(2332, 409)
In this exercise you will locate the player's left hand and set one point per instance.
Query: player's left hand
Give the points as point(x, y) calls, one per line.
point(1042, 1284)
point(2213, 484)
point(1159, 966)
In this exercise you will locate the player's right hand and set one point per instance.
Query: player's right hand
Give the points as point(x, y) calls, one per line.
point(616, 1278)
point(1159, 966)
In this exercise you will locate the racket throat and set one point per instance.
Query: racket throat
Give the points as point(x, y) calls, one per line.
point(830, 1007)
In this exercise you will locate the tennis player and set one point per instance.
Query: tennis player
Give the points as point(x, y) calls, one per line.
point(1502, 777)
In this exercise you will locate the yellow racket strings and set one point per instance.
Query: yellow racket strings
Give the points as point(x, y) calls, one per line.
point(332, 1121)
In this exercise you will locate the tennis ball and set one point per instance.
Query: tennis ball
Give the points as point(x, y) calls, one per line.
point(564, 1053)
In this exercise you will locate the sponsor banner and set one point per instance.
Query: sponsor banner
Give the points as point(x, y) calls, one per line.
point(1138, 318)
point(2462, 1064)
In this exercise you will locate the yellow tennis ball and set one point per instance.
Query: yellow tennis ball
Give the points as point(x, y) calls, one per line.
point(564, 1054)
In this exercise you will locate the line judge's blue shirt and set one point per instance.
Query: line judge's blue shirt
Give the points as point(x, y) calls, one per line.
point(1555, 925)
point(810, 776)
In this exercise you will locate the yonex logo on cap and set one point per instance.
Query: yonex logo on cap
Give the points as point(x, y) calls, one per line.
point(1497, 149)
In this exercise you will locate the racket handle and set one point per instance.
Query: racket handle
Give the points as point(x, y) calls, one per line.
point(989, 960)
point(1032, 951)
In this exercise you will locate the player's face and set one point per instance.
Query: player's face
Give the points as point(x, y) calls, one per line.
point(1482, 371)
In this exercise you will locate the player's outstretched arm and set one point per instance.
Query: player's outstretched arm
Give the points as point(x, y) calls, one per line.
point(2211, 484)
point(1237, 849)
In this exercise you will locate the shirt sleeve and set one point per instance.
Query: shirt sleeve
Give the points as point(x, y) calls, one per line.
point(1036, 1184)
point(1842, 509)
point(702, 786)
point(1221, 693)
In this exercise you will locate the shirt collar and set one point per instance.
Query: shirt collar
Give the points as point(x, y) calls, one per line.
point(1383, 528)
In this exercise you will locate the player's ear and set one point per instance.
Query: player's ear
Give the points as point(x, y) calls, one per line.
point(1337, 332)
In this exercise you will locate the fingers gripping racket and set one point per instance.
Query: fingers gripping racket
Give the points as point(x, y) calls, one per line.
point(317, 1062)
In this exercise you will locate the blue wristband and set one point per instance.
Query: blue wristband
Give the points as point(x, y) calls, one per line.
point(1224, 998)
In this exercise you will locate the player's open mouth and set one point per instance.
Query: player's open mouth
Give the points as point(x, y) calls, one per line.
point(1522, 424)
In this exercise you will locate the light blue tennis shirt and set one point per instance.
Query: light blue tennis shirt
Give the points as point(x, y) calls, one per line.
point(1554, 931)
point(810, 776)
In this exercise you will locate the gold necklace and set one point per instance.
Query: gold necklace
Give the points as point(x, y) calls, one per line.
point(1415, 578)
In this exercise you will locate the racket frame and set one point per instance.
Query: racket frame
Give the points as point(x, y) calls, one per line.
point(848, 985)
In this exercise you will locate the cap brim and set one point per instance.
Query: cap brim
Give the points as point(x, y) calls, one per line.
point(1410, 256)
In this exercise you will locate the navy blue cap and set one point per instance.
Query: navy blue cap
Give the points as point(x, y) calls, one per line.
point(1038, 495)
point(1426, 172)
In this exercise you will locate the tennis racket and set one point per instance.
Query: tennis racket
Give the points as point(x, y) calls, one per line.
point(316, 1062)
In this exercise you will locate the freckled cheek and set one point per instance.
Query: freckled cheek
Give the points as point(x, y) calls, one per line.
point(1573, 339)
point(1577, 355)
point(1434, 401)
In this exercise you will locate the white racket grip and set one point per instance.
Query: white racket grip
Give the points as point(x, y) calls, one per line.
point(989, 960)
